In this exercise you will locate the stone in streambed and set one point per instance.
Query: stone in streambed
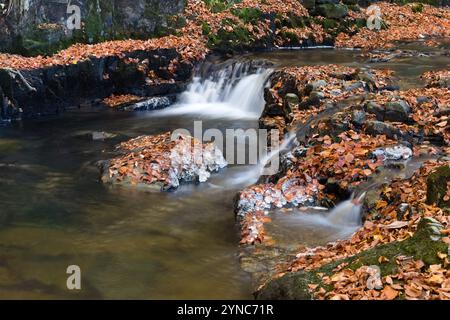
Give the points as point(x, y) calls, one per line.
point(292, 99)
point(397, 111)
point(162, 163)
point(376, 128)
point(101, 135)
point(374, 108)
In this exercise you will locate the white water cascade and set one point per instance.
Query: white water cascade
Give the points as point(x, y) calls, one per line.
point(234, 91)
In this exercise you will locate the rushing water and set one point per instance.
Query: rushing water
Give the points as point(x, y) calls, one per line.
point(230, 92)
point(129, 243)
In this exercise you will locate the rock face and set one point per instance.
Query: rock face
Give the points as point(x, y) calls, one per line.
point(161, 163)
point(49, 90)
point(39, 26)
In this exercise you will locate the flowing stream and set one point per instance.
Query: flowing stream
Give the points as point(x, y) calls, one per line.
point(131, 243)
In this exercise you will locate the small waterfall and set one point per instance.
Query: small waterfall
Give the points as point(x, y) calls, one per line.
point(252, 175)
point(345, 213)
point(233, 91)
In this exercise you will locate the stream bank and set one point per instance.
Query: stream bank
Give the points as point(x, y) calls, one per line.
point(347, 126)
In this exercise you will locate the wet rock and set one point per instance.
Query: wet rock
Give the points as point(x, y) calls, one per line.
point(336, 124)
point(438, 186)
point(398, 152)
point(154, 103)
point(422, 99)
point(101, 135)
point(374, 108)
point(336, 92)
point(317, 94)
point(378, 128)
point(397, 111)
point(318, 84)
point(358, 117)
point(368, 78)
point(291, 101)
point(354, 86)
point(389, 88)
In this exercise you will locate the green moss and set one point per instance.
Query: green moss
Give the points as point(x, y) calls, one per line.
point(292, 21)
point(206, 28)
point(248, 15)
point(437, 187)
point(418, 7)
point(424, 245)
point(329, 24)
point(334, 11)
point(93, 24)
point(238, 39)
point(290, 37)
point(220, 5)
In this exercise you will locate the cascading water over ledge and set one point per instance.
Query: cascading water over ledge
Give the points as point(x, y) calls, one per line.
point(231, 90)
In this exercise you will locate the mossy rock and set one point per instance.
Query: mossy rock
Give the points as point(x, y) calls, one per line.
point(437, 187)
point(291, 286)
point(248, 15)
point(424, 245)
point(333, 11)
point(220, 5)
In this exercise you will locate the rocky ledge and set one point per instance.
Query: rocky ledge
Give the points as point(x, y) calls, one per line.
point(85, 73)
point(162, 162)
point(53, 88)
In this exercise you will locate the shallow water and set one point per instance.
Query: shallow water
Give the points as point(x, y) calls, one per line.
point(129, 243)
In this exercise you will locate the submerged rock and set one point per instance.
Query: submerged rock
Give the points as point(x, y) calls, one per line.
point(160, 162)
point(101, 135)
